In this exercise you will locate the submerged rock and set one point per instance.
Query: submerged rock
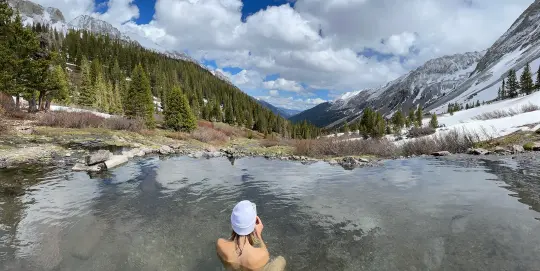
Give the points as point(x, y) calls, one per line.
point(83, 167)
point(98, 157)
point(478, 151)
point(441, 153)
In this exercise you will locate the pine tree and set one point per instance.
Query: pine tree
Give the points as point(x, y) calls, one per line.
point(140, 103)
point(398, 121)
point(59, 85)
point(229, 114)
point(477, 103)
point(87, 97)
point(418, 116)
point(346, 128)
point(504, 94)
point(538, 79)
point(178, 115)
point(512, 85)
point(411, 118)
point(526, 81)
point(379, 127)
point(434, 123)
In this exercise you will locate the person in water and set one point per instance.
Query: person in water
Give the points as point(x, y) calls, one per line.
point(245, 250)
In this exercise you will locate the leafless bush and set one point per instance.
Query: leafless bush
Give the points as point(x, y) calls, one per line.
point(229, 130)
point(421, 131)
point(529, 108)
point(453, 141)
point(71, 120)
point(498, 114)
point(80, 120)
point(335, 147)
point(207, 135)
point(118, 123)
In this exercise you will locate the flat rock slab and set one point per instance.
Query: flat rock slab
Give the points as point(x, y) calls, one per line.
point(98, 157)
point(83, 167)
point(115, 161)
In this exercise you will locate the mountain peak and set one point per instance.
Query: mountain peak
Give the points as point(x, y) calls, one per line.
point(95, 25)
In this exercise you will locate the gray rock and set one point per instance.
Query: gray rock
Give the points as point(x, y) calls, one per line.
point(501, 150)
point(68, 154)
point(115, 161)
point(83, 167)
point(351, 163)
point(176, 146)
point(441, 153)
point(98, 157)
point(536, 146)
point(363, 160)
point(196, 155)
point(129, 154)
point(164, 150)
point(517, 149)
point(332, 162)
point(478, 151)
point(212, 154)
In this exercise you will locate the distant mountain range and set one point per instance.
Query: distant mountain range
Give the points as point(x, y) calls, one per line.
point(460, 78)
point(284, 112)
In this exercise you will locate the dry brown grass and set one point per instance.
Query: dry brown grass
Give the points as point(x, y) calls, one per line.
point(334, 147)
point(177, 135)
point(119, 123)
point(209, 135)
point(229, 130)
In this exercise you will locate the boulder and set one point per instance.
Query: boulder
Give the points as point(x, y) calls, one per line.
point(98, 157)
point(128, 154)
point(517, 149)
point(83, 167)
point(536, 146)
point(441, 153)
point(501, 150)
point(212, 154)
point(176, 146)
point(478, 151)
point(164, 150)
point(211, 149)
point(115, 161)
point(350, 163)
point(196, 155)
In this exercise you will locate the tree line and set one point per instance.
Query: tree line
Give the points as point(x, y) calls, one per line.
point(512, 88)
point(373, 124)
point(44, 66)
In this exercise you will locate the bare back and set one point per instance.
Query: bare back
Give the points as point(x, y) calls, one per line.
point(252, 257)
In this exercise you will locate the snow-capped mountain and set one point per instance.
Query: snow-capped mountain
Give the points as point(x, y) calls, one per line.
point(34, 13)
point(96, 25)
point(424, 85)
point(519, 45)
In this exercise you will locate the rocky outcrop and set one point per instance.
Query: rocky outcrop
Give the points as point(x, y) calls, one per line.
point(517, 149)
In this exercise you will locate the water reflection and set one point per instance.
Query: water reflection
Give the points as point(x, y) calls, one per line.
point(165, 214)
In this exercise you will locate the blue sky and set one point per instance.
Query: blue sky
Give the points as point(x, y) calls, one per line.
point(298, 53)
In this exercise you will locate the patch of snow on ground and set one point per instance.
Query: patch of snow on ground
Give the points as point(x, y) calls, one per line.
point(465, 120)
point(72, 109)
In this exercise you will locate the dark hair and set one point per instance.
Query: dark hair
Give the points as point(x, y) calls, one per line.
point(252, 238)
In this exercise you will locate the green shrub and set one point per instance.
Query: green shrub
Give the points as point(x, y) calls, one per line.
point(528, 146)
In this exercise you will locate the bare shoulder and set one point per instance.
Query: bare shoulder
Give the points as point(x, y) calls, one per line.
point(258, 257)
